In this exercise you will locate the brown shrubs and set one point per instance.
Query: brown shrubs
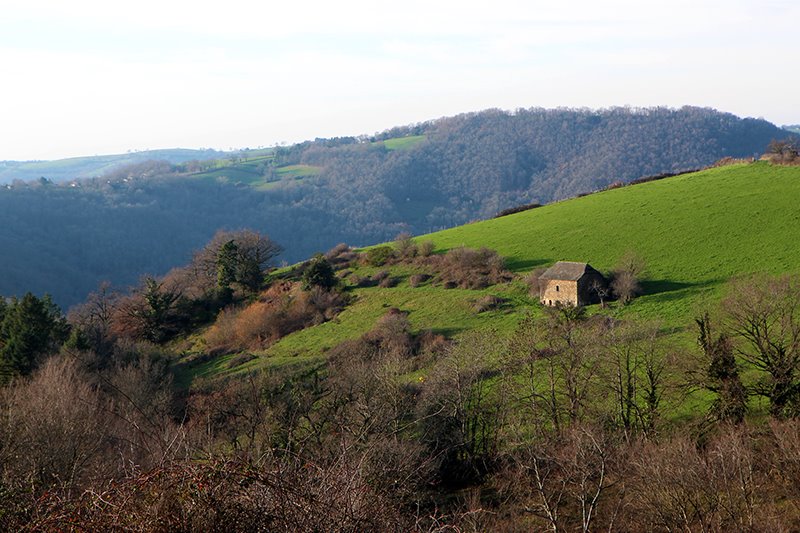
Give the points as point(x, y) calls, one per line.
point(426, 248)
point(404, 246)
point(341, 256)
point(418, 279)
point(489, 302)
point(470, 269)
point(282, 309)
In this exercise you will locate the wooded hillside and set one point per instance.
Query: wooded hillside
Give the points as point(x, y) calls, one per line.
point(66, 239)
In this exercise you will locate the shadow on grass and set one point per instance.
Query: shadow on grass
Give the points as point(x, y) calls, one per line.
point(517, 265)
point(446, 332)
point(659, 286)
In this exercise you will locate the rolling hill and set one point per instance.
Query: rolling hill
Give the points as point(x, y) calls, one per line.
point(93, 166)
point(695, 232)
point(147, 217)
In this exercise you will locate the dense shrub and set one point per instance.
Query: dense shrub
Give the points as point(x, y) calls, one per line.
point(418, 279)
point(426, 248)
point(534, 284)
point(281, 310)
point(517, 209)
point(489, 302)
point(379, 255)
point(405, 247)
point(470, 269)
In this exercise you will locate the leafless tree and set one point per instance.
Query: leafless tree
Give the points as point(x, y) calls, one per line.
point(764, 314)
point(634, 374)
point(626, 276)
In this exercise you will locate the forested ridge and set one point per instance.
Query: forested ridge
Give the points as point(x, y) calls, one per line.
point(64, 239)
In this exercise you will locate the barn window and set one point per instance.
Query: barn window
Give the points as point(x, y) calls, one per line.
point(551, 302)
point(556, 288)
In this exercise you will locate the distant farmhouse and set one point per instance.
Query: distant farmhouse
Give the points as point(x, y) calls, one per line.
point(569, 283)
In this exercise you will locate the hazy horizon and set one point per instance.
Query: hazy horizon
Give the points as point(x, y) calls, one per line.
point(92, 78)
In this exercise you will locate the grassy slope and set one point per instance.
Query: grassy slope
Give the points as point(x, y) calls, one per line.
point(695, 231)
point(249, 171)
point(403, 143)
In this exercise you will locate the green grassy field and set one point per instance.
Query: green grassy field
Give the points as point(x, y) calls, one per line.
point(695, 232)
point(403, 143)
point(250, 171)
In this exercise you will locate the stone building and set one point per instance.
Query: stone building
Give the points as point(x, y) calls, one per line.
point(570, 283)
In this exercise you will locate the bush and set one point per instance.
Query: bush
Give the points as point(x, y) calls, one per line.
point(488, 303)
point(471, 269)
point(405, 246)
point(387, 282)
point(517, 209)
point(426, 248)
point(418, 279)
point(380, 255)
point(625, 277)
point(380, 276)
point(319, 273)
point(282, 310)
point(533, 282)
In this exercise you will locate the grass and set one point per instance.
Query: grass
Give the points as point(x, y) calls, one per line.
point(404, 143)
point(694, 231)
point(250, 171)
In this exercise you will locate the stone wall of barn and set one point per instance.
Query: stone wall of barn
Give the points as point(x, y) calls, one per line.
point(560, 291)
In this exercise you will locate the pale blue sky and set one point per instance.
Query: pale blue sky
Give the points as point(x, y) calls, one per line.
point(91, 77)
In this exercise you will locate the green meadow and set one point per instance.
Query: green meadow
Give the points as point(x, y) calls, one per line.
point(404, 143)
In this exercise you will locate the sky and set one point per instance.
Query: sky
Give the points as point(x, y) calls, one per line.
point(89, 77)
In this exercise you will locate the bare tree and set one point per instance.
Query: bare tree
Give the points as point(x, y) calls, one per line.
point(764, 314)
point(626, 276)
point(635, 375)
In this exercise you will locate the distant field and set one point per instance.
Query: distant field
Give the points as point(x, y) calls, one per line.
point(298, 171)
point(92, 166)
point(251, 171)
point(403, 143)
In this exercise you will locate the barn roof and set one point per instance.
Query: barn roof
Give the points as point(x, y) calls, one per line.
point(567, 271)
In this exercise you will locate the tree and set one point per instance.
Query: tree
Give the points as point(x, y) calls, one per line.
point(764, 314)
point(319, 273)
point(635, 375)
point(722, 374)
point(785, 151)
point(236, 257)
point(227, 259)
point(30, 328)
point(626, 275)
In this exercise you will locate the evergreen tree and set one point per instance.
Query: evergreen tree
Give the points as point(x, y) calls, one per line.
point(30, 328)
point(227, 263)
point(722, 374)
point(319, 273)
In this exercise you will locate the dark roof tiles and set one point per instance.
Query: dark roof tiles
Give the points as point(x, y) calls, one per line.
point(568, 271)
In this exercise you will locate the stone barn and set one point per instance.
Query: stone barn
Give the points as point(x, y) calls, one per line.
point(570, 283)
